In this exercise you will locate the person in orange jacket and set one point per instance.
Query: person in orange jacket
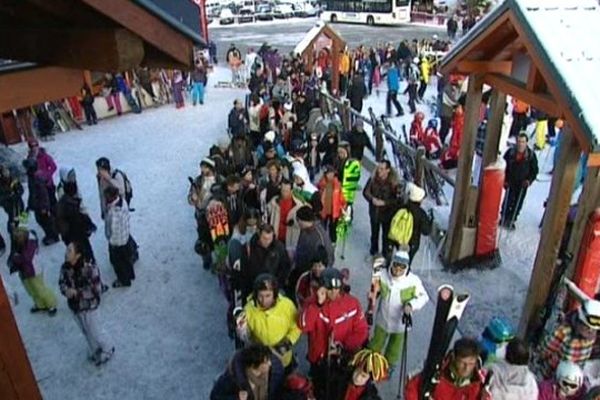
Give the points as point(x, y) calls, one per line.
point(459, 378)
point(520, 119)
point(332, 201)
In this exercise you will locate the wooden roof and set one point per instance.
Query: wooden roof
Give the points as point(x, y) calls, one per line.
point(98, 35)
point(544, 52)
point(313, 35)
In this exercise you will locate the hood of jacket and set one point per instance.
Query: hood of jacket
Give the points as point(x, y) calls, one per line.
point(512, 382)
point(301, 172)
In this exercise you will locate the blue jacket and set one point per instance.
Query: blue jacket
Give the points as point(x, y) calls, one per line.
point(234, 379)
point(393, 79)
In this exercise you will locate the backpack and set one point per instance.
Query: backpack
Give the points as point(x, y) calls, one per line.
point(401, 229)
point(126, 184)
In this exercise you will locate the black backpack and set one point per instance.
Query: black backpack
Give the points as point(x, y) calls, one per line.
point(126, 184)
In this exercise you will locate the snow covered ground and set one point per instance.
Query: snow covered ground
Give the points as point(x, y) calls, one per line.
point(169, 328)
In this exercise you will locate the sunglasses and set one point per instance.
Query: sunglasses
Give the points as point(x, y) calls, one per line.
point(399, 265)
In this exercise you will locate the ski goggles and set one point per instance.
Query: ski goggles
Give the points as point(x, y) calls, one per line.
point(568, 386)
point(399, 265)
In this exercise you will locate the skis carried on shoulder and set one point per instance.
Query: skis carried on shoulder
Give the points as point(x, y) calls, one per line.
point(448, 312)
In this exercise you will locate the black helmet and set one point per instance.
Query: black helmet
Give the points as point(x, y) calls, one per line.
point(103, 163)
point(332, 278)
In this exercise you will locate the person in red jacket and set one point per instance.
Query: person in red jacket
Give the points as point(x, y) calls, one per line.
point(432, 141)
point(460, 378)
point(416, 130)
point(332, 201)
point(336, 327)
point(450, 156)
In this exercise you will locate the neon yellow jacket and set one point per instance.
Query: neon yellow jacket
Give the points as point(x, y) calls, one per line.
point(425, 70)
point(350, 179)
point(270, 327)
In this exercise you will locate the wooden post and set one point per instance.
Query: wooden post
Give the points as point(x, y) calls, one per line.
point(17, 381)
point(463, 175)
point(494, 128)
point(552, 231)
point(588, 202)
point(335, 67)
point(420, 166)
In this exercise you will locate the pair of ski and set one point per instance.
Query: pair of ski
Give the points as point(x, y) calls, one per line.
point(449, 309)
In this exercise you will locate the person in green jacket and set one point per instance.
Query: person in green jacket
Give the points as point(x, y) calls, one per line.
point(348, 171)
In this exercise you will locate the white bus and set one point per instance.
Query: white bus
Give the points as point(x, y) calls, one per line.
point(370, 12)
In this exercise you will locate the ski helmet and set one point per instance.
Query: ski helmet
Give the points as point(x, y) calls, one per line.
point(332, 278)
point(265, 282)
point(371, 362)
point(589, 314)
point(569, 377)
point(401, 259)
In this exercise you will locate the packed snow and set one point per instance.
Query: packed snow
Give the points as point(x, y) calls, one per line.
point(169, 328)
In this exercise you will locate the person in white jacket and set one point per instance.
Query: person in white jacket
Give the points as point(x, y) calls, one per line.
point(511, 378)
point(400, 294)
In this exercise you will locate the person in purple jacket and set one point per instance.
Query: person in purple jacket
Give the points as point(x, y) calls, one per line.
point(25, 246)
point(46, 167)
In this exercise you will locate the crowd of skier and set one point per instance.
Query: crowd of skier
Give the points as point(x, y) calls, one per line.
point(274, 203)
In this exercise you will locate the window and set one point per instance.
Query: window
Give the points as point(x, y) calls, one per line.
point(402, 3)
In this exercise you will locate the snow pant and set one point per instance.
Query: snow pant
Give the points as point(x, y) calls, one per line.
point(120, 258)
point(197, 93)
point(42, 296)
point(379, 223)
point(513, 202)
point(178, 94)
point(412, 97)
point(113, 100)
point(90, 113)
point(422, 89)
point(330, 225)
point(343, 84)
point(519, 123)
point(391, 341)
point(392, 97)
point(46, 221)
point(86, 321)
point(445, 124)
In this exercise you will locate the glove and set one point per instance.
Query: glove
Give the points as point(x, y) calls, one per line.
point(369, 317)
point(407, 319)
point(283, 347)
point(525, 184)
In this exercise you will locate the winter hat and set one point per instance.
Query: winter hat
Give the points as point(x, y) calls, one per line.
point(329, 168)
point(32, 142)
point(332, 278)
point(415, 193)
point(208, 162)
point(305, 213)
point(401, 257)
point(270, 136)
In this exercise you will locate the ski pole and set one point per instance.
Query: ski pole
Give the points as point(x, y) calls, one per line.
point(407, 319)
point(520, 198)
point(328, 374)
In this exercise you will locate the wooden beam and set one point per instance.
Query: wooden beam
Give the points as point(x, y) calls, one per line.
point(535, 80)
point(17, 381)
point(465, 163)
point(517, 89)
point(555, 218)
point(149, 27)
point(470, 67)
point(33, 86)
point(93, 49)
point(494, 128)
point(593, 160)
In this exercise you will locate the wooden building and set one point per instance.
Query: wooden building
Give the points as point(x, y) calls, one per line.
point(546, 53)
point(55, 41)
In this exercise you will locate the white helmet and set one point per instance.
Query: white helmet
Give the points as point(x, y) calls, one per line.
point(589, 313)
point(569, 377)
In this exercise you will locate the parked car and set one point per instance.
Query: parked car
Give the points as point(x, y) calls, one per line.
point(305, 10)
point(226, 17)
point(264, 13)
point(245, 15)
point(283, 11)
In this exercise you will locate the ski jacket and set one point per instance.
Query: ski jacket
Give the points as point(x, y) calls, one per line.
point(337, 198)
point(416, 132)
point(11, 192)
point(520, 169)
point(292, 231)
point(357, 92)
point(45, 166)
point(236, 122)
point(393, 79)
point(71, 222)
point(309, 242)
point(512, 382)
point(117, 181)
point(422, 224)
point(84, 277)
point(306, 288)
point(23, 261)
point(394, 295)
point(432, 141)
point(564, 345)
point(383, 190)
point(350, 179)
point(425, 70)
point(234, 380)
point(257, 260)
point(116, 224)
point(271, 327)
point(446, 389)
point(549, 391)
point(343, 318)
point(39, 199)
point(330, 149)
point(358, 141)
